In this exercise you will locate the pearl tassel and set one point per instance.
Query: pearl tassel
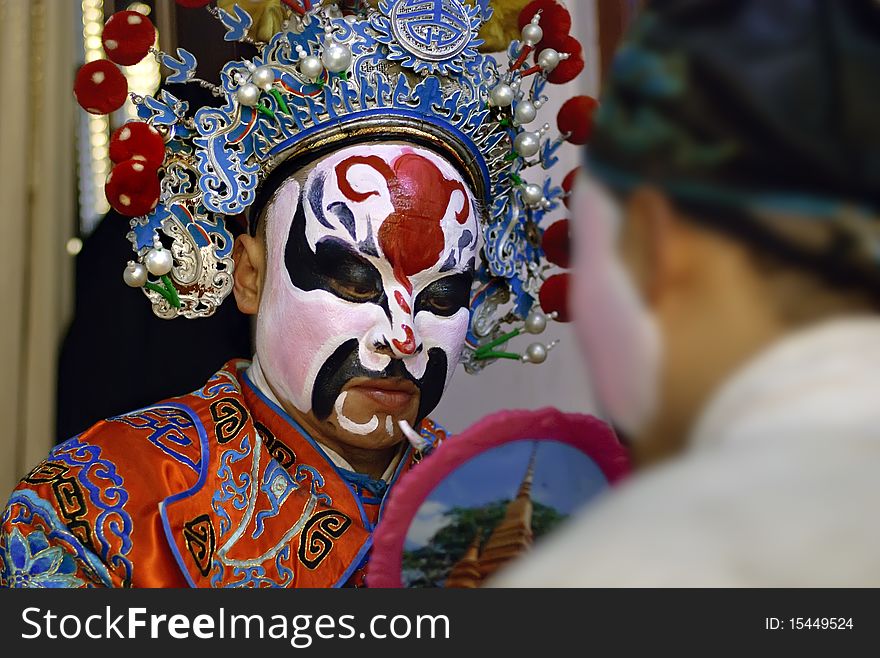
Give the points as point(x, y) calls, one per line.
point(537, 352)
point(531, 35)
point(535, 323)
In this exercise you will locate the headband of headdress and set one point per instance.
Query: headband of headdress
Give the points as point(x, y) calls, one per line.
point(334, 74)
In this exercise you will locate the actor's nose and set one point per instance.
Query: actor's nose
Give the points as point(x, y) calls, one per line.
point(401, 344)
point(404, 342)
point(399, 338)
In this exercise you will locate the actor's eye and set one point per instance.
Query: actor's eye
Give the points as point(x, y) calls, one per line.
point(447, 295)
point(346, 274)
point(354, 291)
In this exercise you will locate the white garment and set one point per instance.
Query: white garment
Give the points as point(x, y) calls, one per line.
point(780, 486)
point(258, 379)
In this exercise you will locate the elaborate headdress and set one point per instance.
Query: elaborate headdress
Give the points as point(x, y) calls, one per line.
point(331, 75)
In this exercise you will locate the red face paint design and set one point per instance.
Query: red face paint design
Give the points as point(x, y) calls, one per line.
point(401, 302)
point(409, 345)
point(411, 237)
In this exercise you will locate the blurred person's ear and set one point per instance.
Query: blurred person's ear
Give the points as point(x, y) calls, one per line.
point(656, 245)
point(249, 255)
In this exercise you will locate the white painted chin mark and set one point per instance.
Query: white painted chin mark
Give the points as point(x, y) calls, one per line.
point(389, 425)
point(348, 424)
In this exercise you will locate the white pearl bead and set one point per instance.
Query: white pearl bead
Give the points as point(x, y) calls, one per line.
point(501, 95)
point(536, 353)
point(336, 57)
point(532, 195)
point(248, 95)
point(159, 262)
point(548, 59)
point(525, 112)
point(263, 77)
point(532, 34)
point(536, 322)
point(311, 67)
point(527, 144)
point(135, 275)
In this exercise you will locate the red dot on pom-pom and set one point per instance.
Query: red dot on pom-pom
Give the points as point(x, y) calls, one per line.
point(137, 140)
point(128, 37)
point(133, 188)
point(568, 69)
point(193, 4)
point(555, 18)
point(553, 296)
point(556, 244)
point(100, 87)
point(576, 117)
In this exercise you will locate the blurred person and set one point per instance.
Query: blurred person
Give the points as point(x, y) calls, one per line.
point(727, 296)
point(366, 172)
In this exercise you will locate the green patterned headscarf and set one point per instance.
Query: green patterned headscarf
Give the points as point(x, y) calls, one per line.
point(761, 116)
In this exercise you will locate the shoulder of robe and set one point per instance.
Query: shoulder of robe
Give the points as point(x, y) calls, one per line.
point(93, 504)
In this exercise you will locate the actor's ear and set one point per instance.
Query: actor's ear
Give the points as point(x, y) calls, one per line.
point(655, 243)
point(250, 265)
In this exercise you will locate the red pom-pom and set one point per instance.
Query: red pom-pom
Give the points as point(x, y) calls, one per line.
point(137, 140)
point(128, 37)
point(133, 188)
point(193, 4)
point(556, 244)
point(100, 87)
point(576, 117)
point(568, 185)
point(568, 69)
point(555, 18)
point(553, 296)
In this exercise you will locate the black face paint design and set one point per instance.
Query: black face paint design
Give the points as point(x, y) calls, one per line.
point(334, 266)
point(446, 296)
point(368, 244)
point(316, 198)
point(346, 217)
point(450, 263)
point(345, 364)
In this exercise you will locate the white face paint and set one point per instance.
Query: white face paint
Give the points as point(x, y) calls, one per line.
point(619, 334)
point(368, 265)
point(349, 425)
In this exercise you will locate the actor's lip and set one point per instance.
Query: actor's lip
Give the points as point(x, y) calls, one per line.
point(389, 394)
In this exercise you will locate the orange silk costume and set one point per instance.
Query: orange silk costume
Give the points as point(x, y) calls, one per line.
point(217, 488)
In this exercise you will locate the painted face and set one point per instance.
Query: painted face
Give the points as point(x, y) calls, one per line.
point(369, 267)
